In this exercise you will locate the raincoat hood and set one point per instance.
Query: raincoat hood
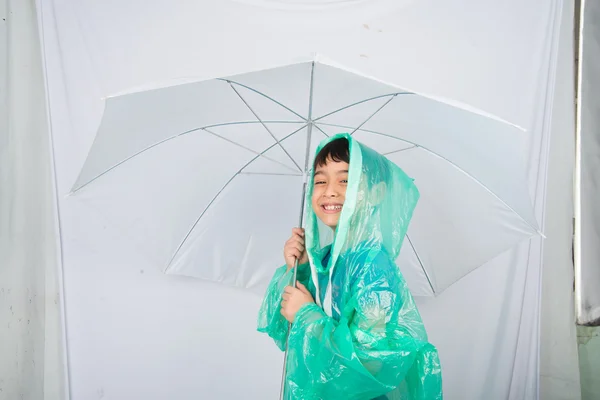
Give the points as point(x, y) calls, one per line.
point(380, 200)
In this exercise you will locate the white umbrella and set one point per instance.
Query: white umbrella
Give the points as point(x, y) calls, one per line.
point(206, 178)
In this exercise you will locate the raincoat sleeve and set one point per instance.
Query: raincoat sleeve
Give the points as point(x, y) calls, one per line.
point(270, 320)
point(382, 347)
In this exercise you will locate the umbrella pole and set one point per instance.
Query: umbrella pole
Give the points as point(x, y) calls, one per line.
point(309, 127)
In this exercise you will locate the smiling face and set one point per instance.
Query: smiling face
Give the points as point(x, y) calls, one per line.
point(329, 192)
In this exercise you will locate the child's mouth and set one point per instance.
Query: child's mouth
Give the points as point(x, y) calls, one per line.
point(332, 208)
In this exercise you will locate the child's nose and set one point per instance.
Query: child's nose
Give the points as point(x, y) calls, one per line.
point(330, 191)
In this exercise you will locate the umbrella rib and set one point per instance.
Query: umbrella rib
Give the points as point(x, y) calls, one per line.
point(322, 131)
point(401, 150)
point(221, 191)
point(265, 96)
point(421, 263)
point(252, 122)
point(372, 115)
point(265, 126)
point(248, 149)
point(268, 173)
point(166, 140)
point(490, 191)
point(360, 102)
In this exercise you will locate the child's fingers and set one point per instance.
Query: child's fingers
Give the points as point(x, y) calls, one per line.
point(295, 242)
point(291, 248)
point(293, 252)
point(298, 231)
point(296, 239)
point(288, 289)
point(302, 287)
point(299, 246)
point(297, 235)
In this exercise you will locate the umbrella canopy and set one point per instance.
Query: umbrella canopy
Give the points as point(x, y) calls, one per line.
point(206, 178)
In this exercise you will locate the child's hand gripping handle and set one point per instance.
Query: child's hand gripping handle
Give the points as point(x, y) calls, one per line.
point(294, 251)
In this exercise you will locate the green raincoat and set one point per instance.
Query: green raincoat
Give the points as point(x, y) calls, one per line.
point(363, 339)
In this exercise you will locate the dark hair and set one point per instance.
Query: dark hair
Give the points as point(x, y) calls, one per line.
point(337, 150)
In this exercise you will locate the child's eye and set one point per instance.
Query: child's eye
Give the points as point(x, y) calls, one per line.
point(344, 180)
point(319, 182)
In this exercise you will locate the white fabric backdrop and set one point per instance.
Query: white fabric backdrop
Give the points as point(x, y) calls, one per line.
point(588, 191)
point(32, 359)
point(559, 367)
point(136, 333)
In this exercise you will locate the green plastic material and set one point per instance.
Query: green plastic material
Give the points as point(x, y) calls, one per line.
point(373, 344)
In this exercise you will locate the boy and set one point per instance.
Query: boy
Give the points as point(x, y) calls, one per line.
point(356, 332)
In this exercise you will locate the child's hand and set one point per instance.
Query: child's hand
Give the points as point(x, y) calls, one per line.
point(293, 299)
point(294, 249)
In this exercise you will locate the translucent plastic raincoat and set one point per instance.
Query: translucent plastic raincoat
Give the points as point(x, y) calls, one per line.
point(365, 339)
